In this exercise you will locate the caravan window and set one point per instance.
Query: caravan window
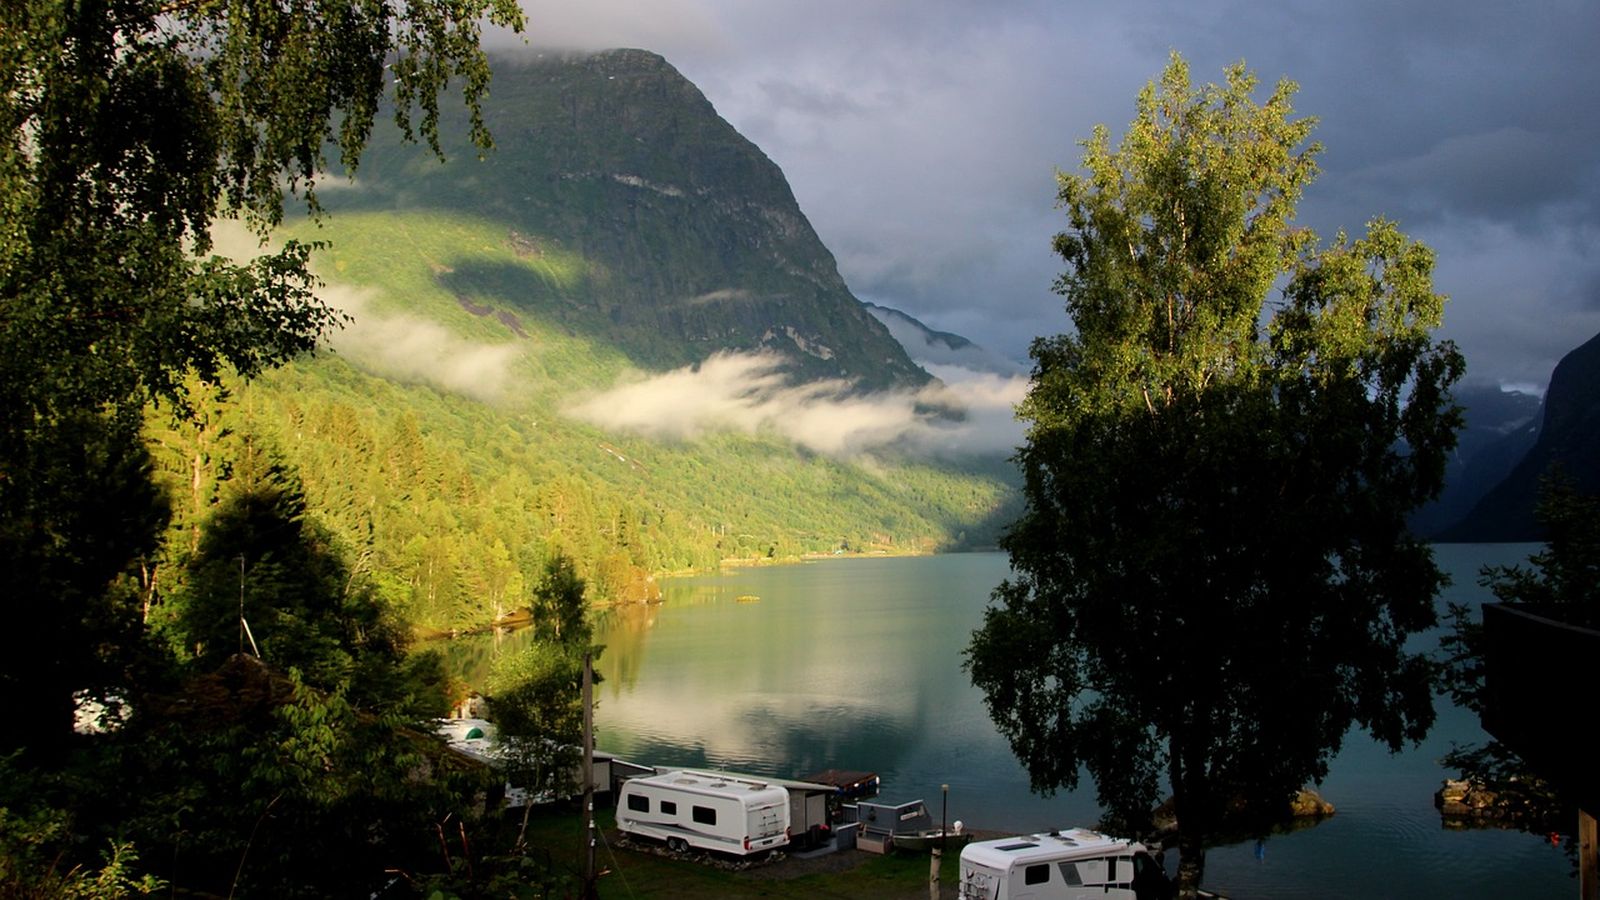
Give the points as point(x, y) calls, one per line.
point(669, 808)
point(704, 815)
point(1038, 874)
point(1085, 871)
point(1069, 874)
point(638, 803)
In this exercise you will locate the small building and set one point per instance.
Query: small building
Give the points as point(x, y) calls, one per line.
point(896, 818)
point(810, 819)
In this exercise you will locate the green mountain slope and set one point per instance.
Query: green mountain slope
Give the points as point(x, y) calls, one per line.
point(663, 231)
point(489, 298)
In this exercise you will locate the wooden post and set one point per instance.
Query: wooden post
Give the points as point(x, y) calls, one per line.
point(1588, 859)
point(590, 888)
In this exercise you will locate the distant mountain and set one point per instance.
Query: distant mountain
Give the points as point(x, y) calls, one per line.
point(940, 348)
point(1568, 440)
point(1500, 428)
point(686, 239)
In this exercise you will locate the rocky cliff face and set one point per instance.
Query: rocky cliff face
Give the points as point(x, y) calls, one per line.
point(1568, 442)
point(691, 237)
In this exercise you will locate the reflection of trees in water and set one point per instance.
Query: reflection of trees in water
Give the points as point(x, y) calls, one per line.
point(623, 629)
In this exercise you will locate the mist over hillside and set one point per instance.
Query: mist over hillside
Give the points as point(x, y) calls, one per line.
point(618, 338)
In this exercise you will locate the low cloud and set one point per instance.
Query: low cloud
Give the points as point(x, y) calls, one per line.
point(395, 345)
point(748, 393)
point(411, 348)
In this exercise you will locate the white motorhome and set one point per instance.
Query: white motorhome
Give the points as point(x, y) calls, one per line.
point(737, 814)
point(1078, 864)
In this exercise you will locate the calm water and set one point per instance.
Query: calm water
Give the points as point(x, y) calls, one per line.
point(856, 664)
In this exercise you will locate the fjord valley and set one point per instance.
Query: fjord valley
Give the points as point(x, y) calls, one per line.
point(615, 337)
point(531, 395)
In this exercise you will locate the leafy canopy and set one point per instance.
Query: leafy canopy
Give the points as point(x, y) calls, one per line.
point(127, 127)
point(1214, 579)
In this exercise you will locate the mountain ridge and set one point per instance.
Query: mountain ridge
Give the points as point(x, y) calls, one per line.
point(1567, 442)
point(690, 237)
point(489, 299)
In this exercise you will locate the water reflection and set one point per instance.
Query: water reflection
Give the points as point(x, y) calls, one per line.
point(856, 664)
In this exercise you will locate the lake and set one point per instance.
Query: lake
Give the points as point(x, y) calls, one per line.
point(856, 664)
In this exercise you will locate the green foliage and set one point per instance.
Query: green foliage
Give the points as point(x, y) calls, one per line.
point(424, 485)
point(76, 508)
point(560, 611)
point(535, 694)
point(534, 699)
point(338, 747)
point(41, 857)
point(1214, 576)
point(250, 782)
point(128, 128)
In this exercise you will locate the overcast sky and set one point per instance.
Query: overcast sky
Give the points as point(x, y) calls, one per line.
point(921, 137)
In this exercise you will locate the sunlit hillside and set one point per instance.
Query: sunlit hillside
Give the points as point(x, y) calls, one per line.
point(508, 386)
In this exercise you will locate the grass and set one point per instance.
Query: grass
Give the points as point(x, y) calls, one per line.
point(632, 874)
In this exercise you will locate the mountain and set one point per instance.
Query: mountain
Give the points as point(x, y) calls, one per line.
point(1568, 442)
point(940, 348)
point(616, 338)
point(1500, 426)
point(682, 237)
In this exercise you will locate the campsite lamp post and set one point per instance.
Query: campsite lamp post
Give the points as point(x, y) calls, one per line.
point(944, 808)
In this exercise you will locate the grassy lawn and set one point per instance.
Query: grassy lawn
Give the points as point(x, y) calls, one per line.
point(632, 874)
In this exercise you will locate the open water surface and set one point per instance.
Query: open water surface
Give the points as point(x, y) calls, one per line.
point(856, 664)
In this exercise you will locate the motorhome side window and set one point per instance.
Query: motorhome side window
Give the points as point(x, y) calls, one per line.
point(1094, 871)
point(669, 808)
point(1069, 874)
point(1038, 874)
point(704, 815)
point(638, 803)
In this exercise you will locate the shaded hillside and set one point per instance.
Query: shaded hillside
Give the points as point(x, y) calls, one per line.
point(679, 237)
point(1568, 441)
point(1500, 426)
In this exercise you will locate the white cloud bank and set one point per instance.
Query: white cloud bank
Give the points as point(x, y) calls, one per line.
point(395, 345)
point(411, 348)
point(747, 393)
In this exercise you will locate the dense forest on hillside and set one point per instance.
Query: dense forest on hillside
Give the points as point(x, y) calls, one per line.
point(618, 230)
point(451, 505)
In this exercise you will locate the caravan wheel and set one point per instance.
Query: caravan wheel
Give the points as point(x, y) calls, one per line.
point(677, 845)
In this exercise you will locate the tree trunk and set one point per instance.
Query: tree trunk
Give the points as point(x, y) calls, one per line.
point(1191, 863)
point(1190, 795)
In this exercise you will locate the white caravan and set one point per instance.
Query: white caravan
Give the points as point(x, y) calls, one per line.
point(737, 814)
point(1067, 865)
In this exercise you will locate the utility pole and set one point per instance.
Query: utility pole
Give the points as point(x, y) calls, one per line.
point(1588, 858)
point(590, 887)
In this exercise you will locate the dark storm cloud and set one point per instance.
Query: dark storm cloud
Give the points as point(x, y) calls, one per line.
point(921, 137)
